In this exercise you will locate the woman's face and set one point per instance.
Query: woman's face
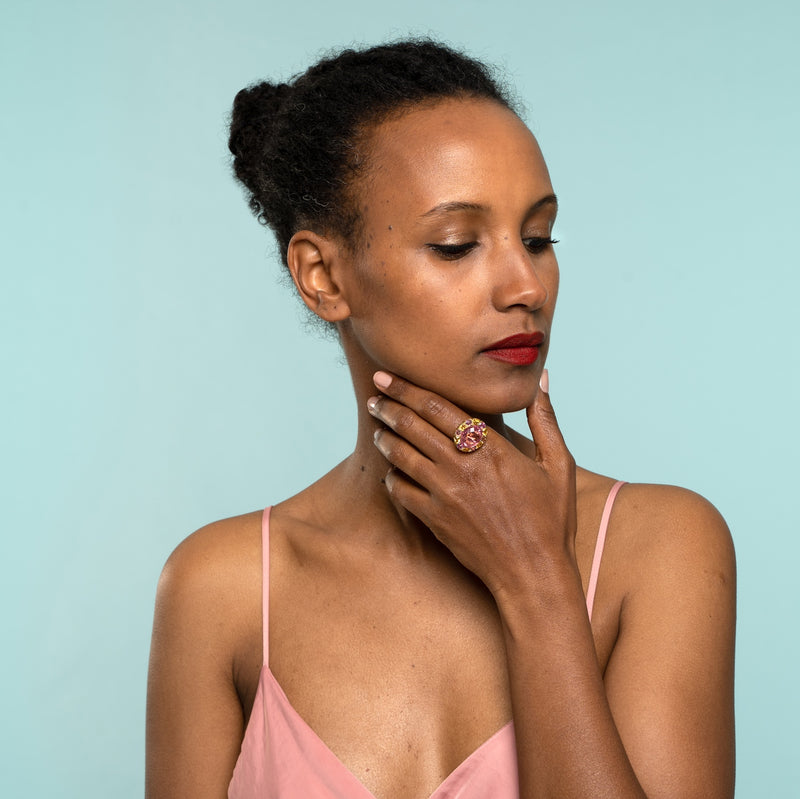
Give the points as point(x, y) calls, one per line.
point(457, 211)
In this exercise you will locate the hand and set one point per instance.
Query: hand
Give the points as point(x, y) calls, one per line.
point(505, 515)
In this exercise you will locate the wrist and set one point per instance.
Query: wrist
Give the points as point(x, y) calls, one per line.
point(544, 594)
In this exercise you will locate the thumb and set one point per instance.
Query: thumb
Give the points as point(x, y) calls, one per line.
point(543, 424)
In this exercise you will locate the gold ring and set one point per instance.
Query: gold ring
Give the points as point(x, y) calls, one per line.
point(470, 435)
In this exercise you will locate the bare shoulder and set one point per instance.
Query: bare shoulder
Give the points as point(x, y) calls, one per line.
point(206, 619)
point(673, 528)
point(666, 547)
point(669, 680)
point(214, 549)
point(211, 574)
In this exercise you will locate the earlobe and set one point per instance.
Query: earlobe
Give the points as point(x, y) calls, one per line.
point(313, 261)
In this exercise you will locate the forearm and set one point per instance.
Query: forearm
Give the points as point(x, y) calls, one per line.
point(567, 742)
point(669, 675)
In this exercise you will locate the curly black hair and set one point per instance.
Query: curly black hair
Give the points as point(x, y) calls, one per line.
point(298, 146)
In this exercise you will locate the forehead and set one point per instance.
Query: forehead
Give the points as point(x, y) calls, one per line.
point(470, 150)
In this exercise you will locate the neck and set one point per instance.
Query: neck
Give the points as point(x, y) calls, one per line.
point(360, 478)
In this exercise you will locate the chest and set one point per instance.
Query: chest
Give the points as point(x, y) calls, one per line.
point(400, 682)
point(401, 676)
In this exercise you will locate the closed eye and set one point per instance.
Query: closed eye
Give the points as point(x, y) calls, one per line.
point(451, 252)
point(538, 244)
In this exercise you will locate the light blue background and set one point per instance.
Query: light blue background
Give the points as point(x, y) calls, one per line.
point(156, 375)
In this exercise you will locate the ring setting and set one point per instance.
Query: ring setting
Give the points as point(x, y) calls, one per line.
point(470, 435)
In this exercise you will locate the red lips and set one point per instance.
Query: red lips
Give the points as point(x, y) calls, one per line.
point(521, 349)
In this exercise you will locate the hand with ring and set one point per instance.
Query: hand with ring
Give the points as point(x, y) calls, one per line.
point(500, 510)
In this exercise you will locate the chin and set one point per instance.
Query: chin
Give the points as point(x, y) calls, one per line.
point(496, 406)
point(483, 397)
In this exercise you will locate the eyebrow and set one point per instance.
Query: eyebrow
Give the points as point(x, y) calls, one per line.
point(452, 207)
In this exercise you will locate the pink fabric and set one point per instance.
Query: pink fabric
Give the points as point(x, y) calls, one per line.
point(283, 758)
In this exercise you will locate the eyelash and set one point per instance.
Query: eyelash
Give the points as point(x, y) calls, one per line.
point(452, 252)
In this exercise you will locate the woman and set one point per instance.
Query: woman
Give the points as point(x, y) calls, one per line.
point(431, 619)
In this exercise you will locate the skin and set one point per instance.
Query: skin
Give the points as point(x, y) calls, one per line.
point(407, 633)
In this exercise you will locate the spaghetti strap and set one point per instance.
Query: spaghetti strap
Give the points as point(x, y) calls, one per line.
point(598, 548)
point(265, 585)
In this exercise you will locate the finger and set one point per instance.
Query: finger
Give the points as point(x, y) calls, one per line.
point(435, 410)
point(406, 493)
point(404, 456)
point(550, 444)
point(409, 425)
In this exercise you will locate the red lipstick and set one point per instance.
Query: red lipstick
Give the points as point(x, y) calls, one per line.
point(520, 350)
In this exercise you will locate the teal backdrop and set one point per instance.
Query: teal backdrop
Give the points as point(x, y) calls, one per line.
point(156, 373)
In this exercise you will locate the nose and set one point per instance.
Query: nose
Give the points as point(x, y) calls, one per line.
point(523, 279)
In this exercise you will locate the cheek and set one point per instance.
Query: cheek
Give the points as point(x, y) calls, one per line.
point(395, 316)
point(370, 283)
point(388, 289)
point(402, 324)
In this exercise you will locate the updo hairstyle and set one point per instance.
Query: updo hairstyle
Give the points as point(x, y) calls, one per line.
point(298, 146)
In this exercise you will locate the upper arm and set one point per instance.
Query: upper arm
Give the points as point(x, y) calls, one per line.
point(194, 717)
point(669, 680)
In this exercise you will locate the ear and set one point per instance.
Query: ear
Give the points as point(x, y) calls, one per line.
point(314, 262)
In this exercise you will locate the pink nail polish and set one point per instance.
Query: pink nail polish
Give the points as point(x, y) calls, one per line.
point(544, 382)
point(382, 380)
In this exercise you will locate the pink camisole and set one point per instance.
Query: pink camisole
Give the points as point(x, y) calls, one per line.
point(283, 758)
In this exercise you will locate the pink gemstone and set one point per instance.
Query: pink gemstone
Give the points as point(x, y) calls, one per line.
point(471, 437)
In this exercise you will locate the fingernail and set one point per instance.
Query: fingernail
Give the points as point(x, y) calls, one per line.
point(382, 380)
point(544, 381)
point(377, 440)
point(371, 403)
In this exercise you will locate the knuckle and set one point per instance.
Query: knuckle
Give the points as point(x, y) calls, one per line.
point(433, 406)
point(549, 414)
point(404, 420)
point(493, 455)
point(473, 474)
point(568, 465)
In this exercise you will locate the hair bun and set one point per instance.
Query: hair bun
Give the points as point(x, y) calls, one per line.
point(252, 121)
point(299, 148)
